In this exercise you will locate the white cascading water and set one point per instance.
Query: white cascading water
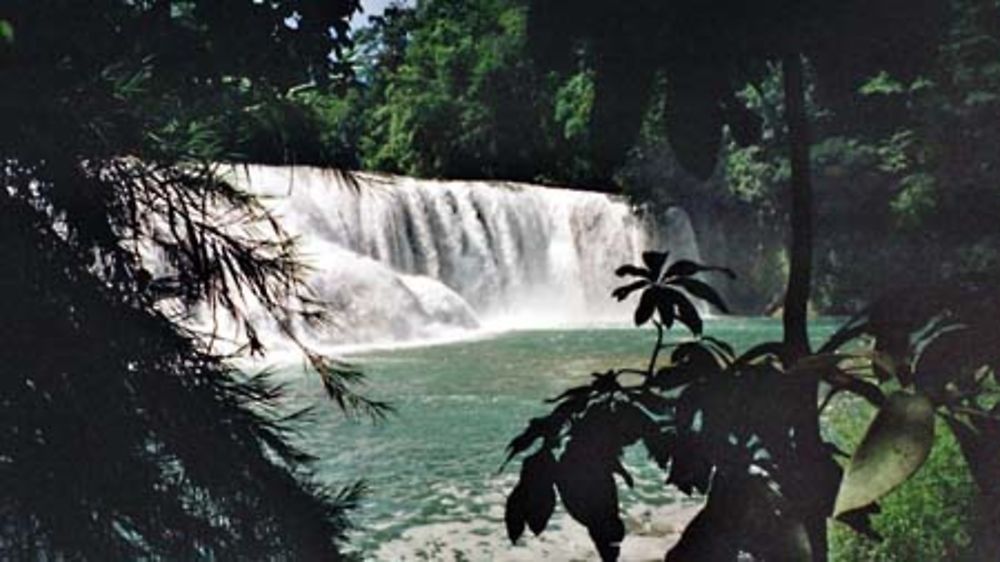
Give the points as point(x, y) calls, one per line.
point(403, 259)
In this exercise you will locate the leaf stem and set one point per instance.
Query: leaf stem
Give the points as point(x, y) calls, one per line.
point(656, 349)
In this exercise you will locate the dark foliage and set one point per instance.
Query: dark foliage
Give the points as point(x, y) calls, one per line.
point(943, 343)
point(698, 421)
point(708, 419)
point(126, 435)
point(709, 51)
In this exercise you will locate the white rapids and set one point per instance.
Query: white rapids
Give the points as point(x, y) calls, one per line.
point(401, 259)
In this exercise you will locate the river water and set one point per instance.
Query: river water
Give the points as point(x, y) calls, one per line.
point(432, 467)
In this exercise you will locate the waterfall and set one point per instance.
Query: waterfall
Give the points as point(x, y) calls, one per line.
point(402, 259)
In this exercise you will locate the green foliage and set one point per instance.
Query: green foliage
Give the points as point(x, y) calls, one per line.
point(574, 101)
point(928, 518)
point(126, 434)
point(894, 446)
point(6, 32)
point(940, 340)
point(307, 126)
point(449, 91)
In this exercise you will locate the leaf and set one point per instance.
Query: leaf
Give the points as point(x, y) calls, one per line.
point(660, 447)
point(647, 305)
point(952, 356)
point(697, 356)
point(622, 293)
point(860, 521)
point(896, 444)
point(654, 261)
point(575, 392)
point(688, 314)
point(702, 541)
point(687, 268)
point(533, 499)
point(654, 403)
point(673, 377)
point(537, 428)
point(767, 349)
point(724, 349)
point(538, 480)
point(589, 493)
point(742, 514)
point(703, 291)
point(620, 470)
point(665, 306)
point(689, 470)
point(634, 271)
point(514, 514)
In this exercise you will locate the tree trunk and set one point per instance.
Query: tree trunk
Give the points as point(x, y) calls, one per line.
point(816, 475)
point(800, 254)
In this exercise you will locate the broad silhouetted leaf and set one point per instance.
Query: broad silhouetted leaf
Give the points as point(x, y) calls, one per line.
point(689, 471)
point(767, 349)
point(622, 293)
point(704, 292)
point(687, 268)
point(588, 491)
point(654, 403)
point(647, 305)
point(702, 541)
point(634, 271)
point(538, 480)
point(700, 360)
point(514, 515)
point(654, 262)
point(722, 348)
point(742, 515)
point(953, 357)
point(537, 428)
point(660, 447)
point(895, 445)
point(533, 499)
point(688, 314)
point(620, 470)
point(673, 377)
point(665, 307)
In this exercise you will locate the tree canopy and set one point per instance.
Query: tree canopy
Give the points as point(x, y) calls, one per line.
point(126, 434)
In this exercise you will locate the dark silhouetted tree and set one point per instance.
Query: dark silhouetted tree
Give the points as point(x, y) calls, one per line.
point(125, 435)
point(705, 52)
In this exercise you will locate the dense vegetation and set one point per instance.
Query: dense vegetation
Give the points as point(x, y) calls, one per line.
point(768, 470)
point(125, 432)
point(128, 437)
point(448, 89)
point(724, 425)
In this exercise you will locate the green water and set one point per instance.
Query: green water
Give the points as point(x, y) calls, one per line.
point(457, 405)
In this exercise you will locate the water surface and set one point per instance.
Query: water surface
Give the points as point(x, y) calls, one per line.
point(432, 467)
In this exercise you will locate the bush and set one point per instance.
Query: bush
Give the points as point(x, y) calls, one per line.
point(928, 518)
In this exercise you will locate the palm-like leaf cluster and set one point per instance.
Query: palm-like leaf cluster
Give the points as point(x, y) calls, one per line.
point(665, 290)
